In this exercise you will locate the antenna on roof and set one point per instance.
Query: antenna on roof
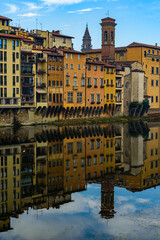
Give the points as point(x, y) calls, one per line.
point(36, 23)
point(107, 13)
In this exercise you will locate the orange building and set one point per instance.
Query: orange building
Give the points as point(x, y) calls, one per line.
point(55, 79)
point(74, 78)
point(94, 83)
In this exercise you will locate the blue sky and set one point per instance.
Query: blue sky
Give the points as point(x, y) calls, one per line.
point(137, 20)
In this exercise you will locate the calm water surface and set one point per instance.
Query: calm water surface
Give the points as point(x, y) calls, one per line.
point(88, 182)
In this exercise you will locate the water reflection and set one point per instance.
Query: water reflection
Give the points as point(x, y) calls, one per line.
point(42, 166)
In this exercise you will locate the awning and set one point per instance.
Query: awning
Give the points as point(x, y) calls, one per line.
point(41, 91)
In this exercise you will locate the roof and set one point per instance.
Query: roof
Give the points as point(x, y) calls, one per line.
point(10, 36)
point(95, 62)
point(71, 51)
point(93, 51)
point(55, 54)
point(138, 70)
point(126, 63)
point(60, 35)
point(5, 18)
point(135, 44)
point(109, 65)
point(36, 36)
point(121, 49)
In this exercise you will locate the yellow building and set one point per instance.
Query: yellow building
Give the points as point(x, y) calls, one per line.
point(4, 24)
point(109, 85)
point(148, 56)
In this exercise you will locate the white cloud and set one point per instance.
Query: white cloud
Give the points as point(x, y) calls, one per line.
point(32, 6)
point(142, 200)
point(61, 2)
point(85, 10)
point(13, 8)
point(29, 15)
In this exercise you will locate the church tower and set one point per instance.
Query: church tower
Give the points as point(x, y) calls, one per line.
point(86, 42)
point(108, 39)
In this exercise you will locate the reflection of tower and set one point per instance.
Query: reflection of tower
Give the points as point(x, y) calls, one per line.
point(107, 198)
point(108, 39)
point(86, 45)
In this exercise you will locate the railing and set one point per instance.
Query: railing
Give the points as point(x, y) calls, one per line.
point(75, 87)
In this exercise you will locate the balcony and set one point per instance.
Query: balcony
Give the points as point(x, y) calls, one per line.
point(27, 73)
point(75, 87)
point(89, 86)
point(98, 102)
point(40, 71)
point(67, 75)
point(92, 102)
point(95, 86)
point(27, 84)
point(42, 85)
point(41, 59)
point(102, 86)
point(75, 77)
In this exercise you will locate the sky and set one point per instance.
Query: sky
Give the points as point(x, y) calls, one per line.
point(137, 20)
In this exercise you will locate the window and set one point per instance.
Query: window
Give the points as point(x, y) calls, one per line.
point(95, 82)
point(156, 83)
point(98, 98)
point(92, 144)
point(101, 159)
point(152, 70)
point(101, 82)
point(152, 83)
point(89, 67)
point(102, 68)
point(112, 36)
point(112, 97)
point(152, 51)
point(17, 44)
point(66, 55)
point(151, 152)
point(50, 98)
point(71, 56)
point(82, 82)
point(71, 66)
point(79, 67)
point(95, 160)
point(70, 147)
point(156, 98)
point(107, 96)
point(49, 67)
point(17, 55)
point(70, 97)
point(92, 98)
point(5, 80)
point(13, 44)
point(79, 147)
point(98, 144)
point(54, 98)
point(53, 67)
point(53, 83)
point(89, 81)
point(79, 97)
point(1, 43)
point(152, 99)
point(74, 82)
point(157, 70)
point(79, 56)
point(67, 82)
point(105, 36)
point(17, 91)
point(14, 81)
point(95, 68)
point(5, 44)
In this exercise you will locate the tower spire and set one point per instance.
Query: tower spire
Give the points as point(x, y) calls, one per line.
point(86, 41)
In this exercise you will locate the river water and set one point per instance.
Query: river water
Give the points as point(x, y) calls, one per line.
point(80, 182)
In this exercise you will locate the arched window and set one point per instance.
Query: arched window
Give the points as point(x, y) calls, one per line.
point(112, 37)
point(105, 36)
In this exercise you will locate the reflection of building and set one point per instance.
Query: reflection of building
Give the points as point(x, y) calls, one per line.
point(44, 169)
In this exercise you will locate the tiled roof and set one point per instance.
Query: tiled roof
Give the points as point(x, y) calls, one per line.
point(135, 44)
point(60, 35)
point(71, 51)
point(93, 51)
point(95, 62)
point(10, 36)
point(109, 65)
point(121, 49)
point(5, 18)
point(55, 54)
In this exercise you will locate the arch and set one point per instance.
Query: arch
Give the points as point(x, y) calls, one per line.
point(105, 36)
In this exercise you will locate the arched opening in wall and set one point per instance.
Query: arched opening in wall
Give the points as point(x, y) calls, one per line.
point(112, 37)
point(105, 36)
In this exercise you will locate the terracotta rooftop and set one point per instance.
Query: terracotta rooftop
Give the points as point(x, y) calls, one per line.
point(5, 18)
point(93, 51)
point(55, 54)
point(109, 65)
point(71, 51)
point(135, 44)
point(126, 63)
point(60, 35)
point(10, 36)
point(95, 62)
point(121, 49)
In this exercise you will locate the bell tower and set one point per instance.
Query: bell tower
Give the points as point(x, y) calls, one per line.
point(86, 42)
point(108, 39)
